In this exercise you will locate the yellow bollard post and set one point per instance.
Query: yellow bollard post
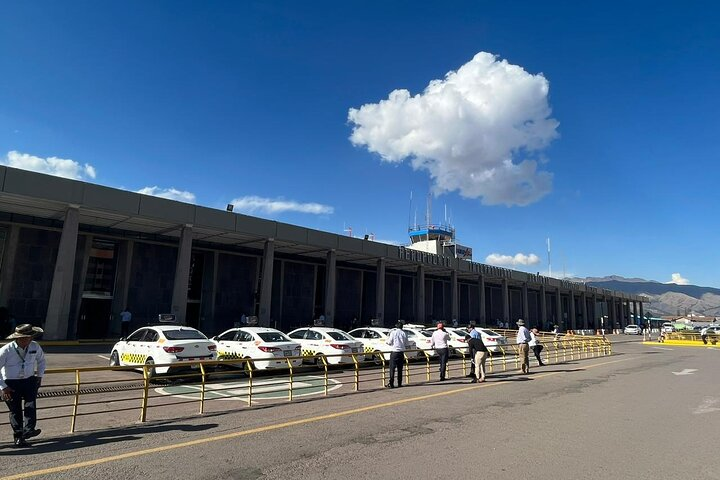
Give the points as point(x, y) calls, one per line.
point(146, 388)
point(202, 388)
point(290, 382)
point(250, 381)
point(427, 365)
point(357, 372)
point(76, 403)
point(407, 368)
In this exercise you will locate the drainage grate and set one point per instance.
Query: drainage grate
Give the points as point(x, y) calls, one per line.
point(85, 390)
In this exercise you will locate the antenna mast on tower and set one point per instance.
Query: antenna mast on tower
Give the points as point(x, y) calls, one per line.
point(548, 253)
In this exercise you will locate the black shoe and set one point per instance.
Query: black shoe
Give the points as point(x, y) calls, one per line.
point(474, 380)
point(542, 364)
point(390, 385)
point(32, 433)
point(470, 375)
point(442, 379)
point(20, 442)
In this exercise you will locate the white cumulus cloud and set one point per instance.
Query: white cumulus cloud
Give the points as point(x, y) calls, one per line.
point(512, 261)
point(169, 193)
point(60, 167)
point(679, 280)
point(479, 131)
point(255, 204)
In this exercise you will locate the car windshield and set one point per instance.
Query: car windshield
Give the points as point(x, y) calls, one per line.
point(339, 336)
point(273, 337)
point(489, 332)
point(183, 334)
point(425, 333)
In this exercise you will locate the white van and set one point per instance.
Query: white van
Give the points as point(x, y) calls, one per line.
point(667, 327)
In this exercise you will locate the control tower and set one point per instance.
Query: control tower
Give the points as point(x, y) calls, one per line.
point(437, 238)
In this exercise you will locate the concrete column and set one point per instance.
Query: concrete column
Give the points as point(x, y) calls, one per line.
point(453, 295)
point(420, 299)
point(525, 305)
point(506, 301)
point(642, 314)
point(481, 287)
point(82, 259)
point(380, 292)
point(543, 306)
point(573, 319)
point(122, 285)
point(182, 275)
point(586, 325)
point(8, 264)
point(58, 312)
point(266, 284)
point(561, 319)
point(594, 312)
point(330, 286)
point(612, 313)
point(635, 313)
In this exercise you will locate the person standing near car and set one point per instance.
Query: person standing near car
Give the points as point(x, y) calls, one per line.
point(398, 343)
point(439, 342)
point(478, 353)
point(472, 331)
point(536, 346)
point(523, 339)
point(22, 366)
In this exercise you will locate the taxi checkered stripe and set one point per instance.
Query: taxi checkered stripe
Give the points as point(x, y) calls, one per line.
point(369, 349)
point(133, 358)
point(308, 353)
point(228, 356)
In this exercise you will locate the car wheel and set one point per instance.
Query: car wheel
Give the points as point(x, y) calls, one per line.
point(152, 374)
point(114, 359)
point(319, 362)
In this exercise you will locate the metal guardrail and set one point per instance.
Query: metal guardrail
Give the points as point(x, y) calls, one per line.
point(74, 393)
point(691, 337)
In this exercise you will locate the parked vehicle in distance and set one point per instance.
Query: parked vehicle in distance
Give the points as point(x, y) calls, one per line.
point(374, 338)
point(422, 339)
point(267, 347)
point(668, 327)
point(317, 341)
point(162, 344)
point(632, 330)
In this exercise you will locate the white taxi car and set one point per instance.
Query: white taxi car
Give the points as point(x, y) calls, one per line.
point(458, 345)
point(267, 347)
point(373, 340)
point(328, 342)
point(161, 344)
point(421, 337)
point(492, 340)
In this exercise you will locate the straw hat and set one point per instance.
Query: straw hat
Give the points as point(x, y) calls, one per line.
point(520, 322)
point(25, 330)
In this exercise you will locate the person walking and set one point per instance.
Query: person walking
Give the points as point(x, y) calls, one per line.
point(536, 346)
point(478, 353)
point(523, 339)
point(439, 341)
point(22, 366)
point(398, 343)
point(704, 335)
point(472, 331)
point(125, 319)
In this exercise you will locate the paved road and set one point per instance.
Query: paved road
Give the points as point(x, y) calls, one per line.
point(645, 412)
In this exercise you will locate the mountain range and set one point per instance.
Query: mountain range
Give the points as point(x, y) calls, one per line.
point(665, 298)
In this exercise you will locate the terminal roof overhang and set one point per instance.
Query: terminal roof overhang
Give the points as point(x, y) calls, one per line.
point(48, 197)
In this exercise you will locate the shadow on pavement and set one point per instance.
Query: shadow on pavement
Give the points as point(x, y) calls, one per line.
point(84, 440)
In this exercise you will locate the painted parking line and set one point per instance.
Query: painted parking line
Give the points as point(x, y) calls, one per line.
point(278, 426)
point(103, 356)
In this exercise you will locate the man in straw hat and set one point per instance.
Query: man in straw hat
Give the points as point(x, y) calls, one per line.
point(20, 380)
point(523, 340)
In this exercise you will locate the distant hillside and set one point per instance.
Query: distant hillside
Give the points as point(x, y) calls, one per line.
point(666, 298)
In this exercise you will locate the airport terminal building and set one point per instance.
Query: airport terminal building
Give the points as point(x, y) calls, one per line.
point(75, 254)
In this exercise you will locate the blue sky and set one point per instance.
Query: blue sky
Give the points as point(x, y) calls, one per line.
point(592, 124)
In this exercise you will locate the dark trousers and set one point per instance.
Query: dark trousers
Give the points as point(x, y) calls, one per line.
point(443, 354)
point(704, 339)
point(397, 360)
point(124, 329)
point(25, 390)
point(536, 350)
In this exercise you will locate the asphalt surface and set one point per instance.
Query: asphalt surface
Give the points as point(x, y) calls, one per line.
point(647, 411)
